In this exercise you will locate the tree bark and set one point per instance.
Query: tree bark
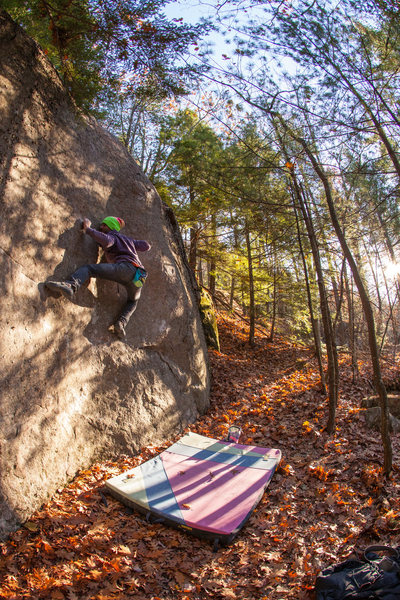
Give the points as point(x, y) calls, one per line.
point(251, 287)
point(314, 322)
point(352, 329)
point(213, 262)
point(274, 302)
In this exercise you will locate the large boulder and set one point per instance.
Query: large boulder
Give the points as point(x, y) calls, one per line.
point(373, 420)
point(393, 403)
point(71, 392)
point(372, 412)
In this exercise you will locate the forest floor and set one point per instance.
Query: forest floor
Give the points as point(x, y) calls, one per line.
point(326, 499)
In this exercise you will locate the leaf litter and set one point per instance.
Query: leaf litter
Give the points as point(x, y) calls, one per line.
point(327, 498)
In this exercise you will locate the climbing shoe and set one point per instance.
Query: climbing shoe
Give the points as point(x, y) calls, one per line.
point(119, 330)
point(63, 287)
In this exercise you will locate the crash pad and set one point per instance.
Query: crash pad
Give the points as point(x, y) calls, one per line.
point(205, 486)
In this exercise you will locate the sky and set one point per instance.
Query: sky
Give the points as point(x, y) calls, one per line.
point(192, 11)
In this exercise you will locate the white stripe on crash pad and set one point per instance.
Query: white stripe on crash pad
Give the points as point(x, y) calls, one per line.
point(195, 440)
point(131, 485)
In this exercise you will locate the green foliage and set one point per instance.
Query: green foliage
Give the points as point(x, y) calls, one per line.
point(218, 188)
point(67, 33)
point(190, 173)
point(100, 46)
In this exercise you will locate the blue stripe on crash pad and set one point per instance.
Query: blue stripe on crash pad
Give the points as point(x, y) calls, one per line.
point(247, 461)
point(158, 489)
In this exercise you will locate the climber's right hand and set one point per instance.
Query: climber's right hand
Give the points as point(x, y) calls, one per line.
point(85, 224)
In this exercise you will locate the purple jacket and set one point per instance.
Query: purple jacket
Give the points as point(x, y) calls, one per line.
point(118, 247)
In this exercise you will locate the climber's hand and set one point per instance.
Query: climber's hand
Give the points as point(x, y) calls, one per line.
point(85, 224)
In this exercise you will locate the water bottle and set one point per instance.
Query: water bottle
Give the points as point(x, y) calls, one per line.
point(234, 434)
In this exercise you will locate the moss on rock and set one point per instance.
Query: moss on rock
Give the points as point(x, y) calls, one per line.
point(209, 319)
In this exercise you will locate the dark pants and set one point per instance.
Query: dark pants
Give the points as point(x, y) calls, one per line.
point(122, 272)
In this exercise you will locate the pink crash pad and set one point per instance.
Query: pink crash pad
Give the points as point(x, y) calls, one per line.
point(204, 486)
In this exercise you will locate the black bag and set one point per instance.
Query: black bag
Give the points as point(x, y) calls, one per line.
point(375, 576)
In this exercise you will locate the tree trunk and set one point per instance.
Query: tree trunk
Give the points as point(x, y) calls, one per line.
point(200, 272)
point(367, 308)
point(232, 293)
point(192, 259)
point(352, 330)
point(251, 287)
point(274, 302)
point(314, 322)
point(213, 262)
point(194, 238)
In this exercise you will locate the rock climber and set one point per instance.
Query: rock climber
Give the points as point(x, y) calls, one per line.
point(123, 266)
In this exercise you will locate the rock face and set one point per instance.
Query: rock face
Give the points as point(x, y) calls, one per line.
point(373, 412)
point(72, 393)
point(373, 420)
point(393, 403)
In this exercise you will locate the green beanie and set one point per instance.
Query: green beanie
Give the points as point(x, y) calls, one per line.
point(114, 223)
